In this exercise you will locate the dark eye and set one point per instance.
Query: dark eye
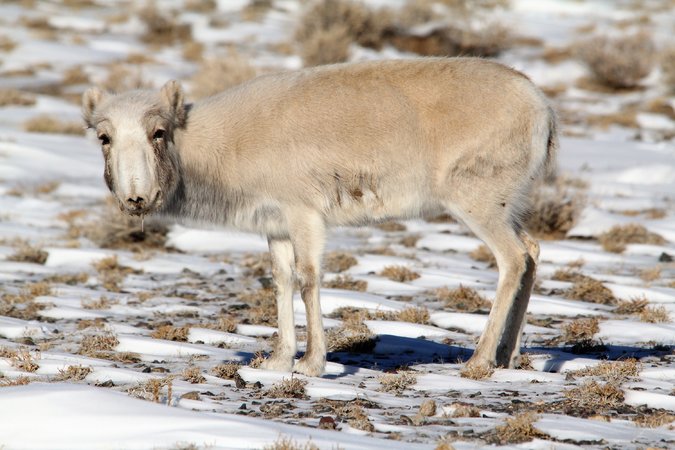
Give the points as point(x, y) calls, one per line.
point(105, 140)
point(159, 134)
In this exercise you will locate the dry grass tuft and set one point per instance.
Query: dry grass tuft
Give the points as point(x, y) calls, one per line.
point(6, 44)
point(75, 75)
point(18, 381)
point(111, 273)
point(650, 274)
point(580, 331)
point(616, 239)
point(592, 396)
point(152, 389)
point(453, 40)
point(217, 75)
point(427, 408)
point(326, 46)
point(193, 375)
point(555, 208)
point(353, 335)
point(201, 6)
point(262, 307)
point(397, 383)
point(619, 62)
point(401, 274)
point(517, 429)
point(391, 226)
point(346, 282)
point(286, 443)
point(13, 97)
point(413, 315)
point(29, 254)
point(122, 78)
point(98, 344)
point(24, 360)
point(588, 289)
point(22, 305)
point(611, 371)
point(162, 28)
point(49, 124)
point(483, 254)
point(654, 420)
point(288, 388)
point(462, 299)
point(633, 306)
point(171, 333)
point(477, 372)
point(339, 262)
point(73, 373)
point(668, 68)
point(655, 314)
point(100, 303)
point(226, 370)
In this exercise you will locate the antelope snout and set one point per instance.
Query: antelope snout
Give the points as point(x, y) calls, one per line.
point(136, 202)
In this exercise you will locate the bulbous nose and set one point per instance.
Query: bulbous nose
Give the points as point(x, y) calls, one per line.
point(136, 202)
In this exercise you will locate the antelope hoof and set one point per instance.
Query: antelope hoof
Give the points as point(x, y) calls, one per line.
point(312, 367)
point(280, 364)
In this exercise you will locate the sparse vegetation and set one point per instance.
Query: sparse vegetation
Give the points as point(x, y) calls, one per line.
point(590, 290)
point(286, 443)
point(619, 62)
point(29, 254)
point(519, 428)
point(396, 383)
point(580, 332)
point(98, 344)
point(353, 336)
point(611, 371)
point(162, 28)
point(633, 306)
point(592, 397)
point(193, 375)
point(13, 97)
point(288, 388)
point(338, 262)
point(401, 274)
point(262, 306)
point(462, 299)
point(477, 372)
point(655, 314)
point(616, 239)
point(217, 75)
point(111, 273)
point(346, 282)
point(73, 373)
point(555, 207)
point(49, 124)
point(226, 370)
point(171, 333)
point(483, 254)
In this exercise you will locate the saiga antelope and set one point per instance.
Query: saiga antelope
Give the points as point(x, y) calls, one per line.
point(289, 155)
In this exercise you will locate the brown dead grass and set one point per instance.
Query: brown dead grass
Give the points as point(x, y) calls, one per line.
point(401, 274)
point(616, 239)
point(22, 305)
point(588, 289)
point(24, 360)
point(633, 306)
point(193, 375)
point(111, 273)
point(478, 372)
point(201, 6)
point(611, 371)
point(288, 388)
point(346, 282)
point(517, 429)
point(99, 303)
point(217, 75)
point(7, 44)
point(398, 382)
point(226, 371)
point(592, 397)
point(464, 410)
point(654, 420)
point(18, 381)
point(352, 336)
point(73, 373)
point(619, 62)
point(668, 68)
point(413, 315)
point(483, 254)
point(122, 78)
point(29, 254)
point(162, 28)
point(49, 124)
point(555, 207)
point(257, 265)
point(391, 226)
point(655, 314)
point(152, 389)
point(13, 97)
point(97, 344)
point(580, 331)
point(339, 262)
point(287, 443)
point(171, 333)
point(262, 307)
point(462, 299)
point(75, 75)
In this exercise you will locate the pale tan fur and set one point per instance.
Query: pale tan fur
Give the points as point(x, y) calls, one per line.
point(291, 154)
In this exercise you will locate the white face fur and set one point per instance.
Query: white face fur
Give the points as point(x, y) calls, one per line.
point(135, 130)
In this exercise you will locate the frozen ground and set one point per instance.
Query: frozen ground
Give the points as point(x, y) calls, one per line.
point(125, 355)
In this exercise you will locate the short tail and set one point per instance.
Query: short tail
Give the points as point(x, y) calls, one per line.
point(551, 161)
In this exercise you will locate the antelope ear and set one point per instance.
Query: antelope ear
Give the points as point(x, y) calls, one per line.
point(172, 98)
point(91, 98)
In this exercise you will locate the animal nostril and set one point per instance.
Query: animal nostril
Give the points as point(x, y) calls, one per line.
point(138, 201)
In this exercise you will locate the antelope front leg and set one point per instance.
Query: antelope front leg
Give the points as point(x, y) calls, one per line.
point(307, 235)
point(281, 253)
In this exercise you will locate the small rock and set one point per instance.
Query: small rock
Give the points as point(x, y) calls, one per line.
point(428, 408)
point(665, 257)
point(108, 383)
point(243, 406)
